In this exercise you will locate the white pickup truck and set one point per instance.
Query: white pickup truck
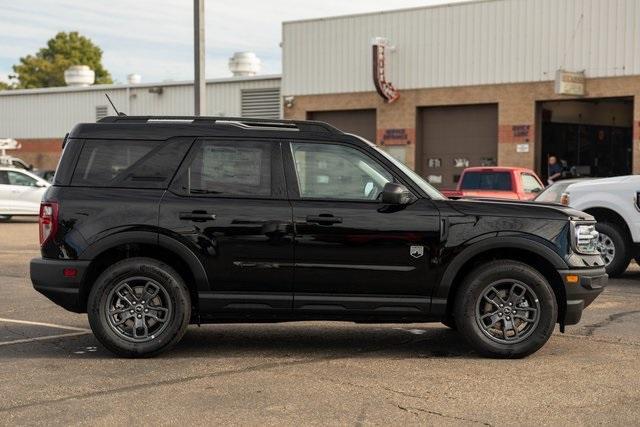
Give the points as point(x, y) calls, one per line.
point(615, 203)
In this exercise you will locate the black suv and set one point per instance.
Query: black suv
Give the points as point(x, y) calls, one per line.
point(154, 223)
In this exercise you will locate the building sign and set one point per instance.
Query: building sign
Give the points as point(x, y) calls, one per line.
point(385, 89)
point(569, 83)
point(395, 136)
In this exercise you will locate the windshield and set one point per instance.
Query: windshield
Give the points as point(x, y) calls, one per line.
point(417, 179)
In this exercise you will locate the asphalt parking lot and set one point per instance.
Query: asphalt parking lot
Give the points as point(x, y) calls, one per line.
point(52, 370)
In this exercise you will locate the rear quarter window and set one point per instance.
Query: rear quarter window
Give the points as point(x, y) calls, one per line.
point(128, 163)
point(497, 181)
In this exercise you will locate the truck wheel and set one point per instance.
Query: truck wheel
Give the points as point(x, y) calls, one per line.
point(505, 309)
point(614, 248)
point(139, 307)
point(5, 218)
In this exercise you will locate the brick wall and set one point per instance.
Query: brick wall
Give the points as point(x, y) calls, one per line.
point(41, 153)
point(516, 111)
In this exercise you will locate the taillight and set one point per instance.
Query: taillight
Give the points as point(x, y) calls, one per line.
point(48, 221)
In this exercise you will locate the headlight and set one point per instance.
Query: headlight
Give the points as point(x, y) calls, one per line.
point(585, 238)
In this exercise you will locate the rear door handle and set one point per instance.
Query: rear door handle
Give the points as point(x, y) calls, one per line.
point(324, 219)
point(197, 216)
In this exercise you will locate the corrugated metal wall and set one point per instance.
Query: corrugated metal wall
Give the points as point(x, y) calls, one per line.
point(52, 113)
point(484, 42)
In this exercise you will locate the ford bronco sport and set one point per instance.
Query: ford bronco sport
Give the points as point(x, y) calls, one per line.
point(153, 223)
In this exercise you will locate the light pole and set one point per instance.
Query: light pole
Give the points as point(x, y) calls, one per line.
point(199, 83)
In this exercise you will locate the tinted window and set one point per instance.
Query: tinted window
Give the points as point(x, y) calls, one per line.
point(133, 164)
point(4, 179)
point(228, 168)
point(337, 172)
point(499, 181)
point(530, 184)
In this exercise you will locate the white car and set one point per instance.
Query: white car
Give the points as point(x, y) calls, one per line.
point(615, 203)
point(20, 192)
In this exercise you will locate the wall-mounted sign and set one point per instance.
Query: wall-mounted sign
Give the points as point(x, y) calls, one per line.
point(570, 83)
point(522, 148)
point(395, 136)
point(385, 89)
point(520, 131)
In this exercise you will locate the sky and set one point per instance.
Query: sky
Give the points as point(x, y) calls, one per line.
point(154, 38)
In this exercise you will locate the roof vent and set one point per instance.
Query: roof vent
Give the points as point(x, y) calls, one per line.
point(243, 64)
point(79, 75)
point(134, 79)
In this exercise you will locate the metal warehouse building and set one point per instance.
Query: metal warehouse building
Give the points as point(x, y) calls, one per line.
point(487, 82)
point(39, 118)
point(504, 82)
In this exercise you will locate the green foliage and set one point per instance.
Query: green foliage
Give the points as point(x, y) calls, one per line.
point(46, 68)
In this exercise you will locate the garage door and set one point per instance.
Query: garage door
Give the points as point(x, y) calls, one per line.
point(359, 122)
point(453, 138)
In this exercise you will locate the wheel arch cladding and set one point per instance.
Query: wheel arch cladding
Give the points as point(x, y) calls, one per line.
point(167, 250)
point(534, 254)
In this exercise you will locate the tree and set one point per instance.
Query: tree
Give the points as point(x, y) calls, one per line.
point(46, 68)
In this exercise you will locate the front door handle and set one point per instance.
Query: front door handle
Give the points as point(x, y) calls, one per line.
point(324, 219)
point(197, 216)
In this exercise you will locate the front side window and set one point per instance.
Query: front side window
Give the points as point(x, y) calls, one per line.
point(228, 168)
point(530, 184)
point(328, 171)
point(497, 181)
point(17, 178)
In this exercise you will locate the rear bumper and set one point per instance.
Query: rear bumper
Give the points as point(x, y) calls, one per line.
point(48, 278)
point(591, 282)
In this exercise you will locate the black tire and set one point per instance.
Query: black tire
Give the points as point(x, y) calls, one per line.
point(622, 255)
point(172, 297)
point(5, 218)
point(497, 274)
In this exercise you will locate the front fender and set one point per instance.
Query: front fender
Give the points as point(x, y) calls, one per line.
point(521, 242)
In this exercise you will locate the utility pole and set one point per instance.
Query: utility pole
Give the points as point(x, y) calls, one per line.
point(199, 83)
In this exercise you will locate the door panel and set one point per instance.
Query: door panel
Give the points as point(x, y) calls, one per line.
point(244, 241)
point(353, 254)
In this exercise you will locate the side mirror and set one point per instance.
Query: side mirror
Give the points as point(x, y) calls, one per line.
point(396, 194)
point(40, 184)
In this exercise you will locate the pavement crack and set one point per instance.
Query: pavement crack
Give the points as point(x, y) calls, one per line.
point(416, 411)
point(590, 329)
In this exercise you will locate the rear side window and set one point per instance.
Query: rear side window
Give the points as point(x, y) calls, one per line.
point(228, 168)
point(498, 181)
point(131, 164)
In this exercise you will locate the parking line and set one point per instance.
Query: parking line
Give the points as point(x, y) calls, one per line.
point(49, 337)
point(50, 325)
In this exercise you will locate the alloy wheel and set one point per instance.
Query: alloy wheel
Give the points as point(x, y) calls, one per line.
point(138, 309)
point(606, 248)
point(508, 311)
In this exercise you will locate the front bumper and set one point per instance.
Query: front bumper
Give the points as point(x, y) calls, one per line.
point(48, 277)
point(590, 283)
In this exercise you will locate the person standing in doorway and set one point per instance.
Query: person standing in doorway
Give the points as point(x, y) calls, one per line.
point(554, 170)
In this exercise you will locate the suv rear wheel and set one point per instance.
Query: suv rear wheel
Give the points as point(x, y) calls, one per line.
point(139, 307)
point(505, 309)
point(613, 247)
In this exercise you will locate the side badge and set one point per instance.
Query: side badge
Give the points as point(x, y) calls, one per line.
point(416, 251)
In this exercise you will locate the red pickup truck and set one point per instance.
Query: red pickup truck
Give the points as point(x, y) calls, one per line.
point(497, 183)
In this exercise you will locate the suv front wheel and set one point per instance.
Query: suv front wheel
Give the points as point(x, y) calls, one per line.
point(613, 247)
point(139, 307)
point(505, 309)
